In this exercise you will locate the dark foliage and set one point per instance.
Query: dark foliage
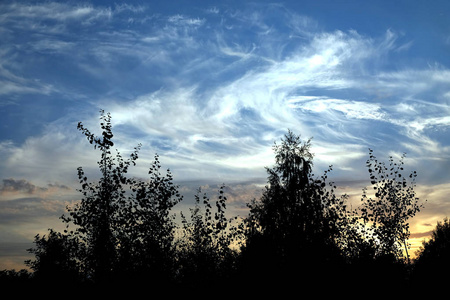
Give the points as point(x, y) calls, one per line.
point(433, 258)
point(295, 225)
point(206, 256)
point(300, 234)
point(55, 260)
point(123, 229)
point(387, 214)
point(15, 278)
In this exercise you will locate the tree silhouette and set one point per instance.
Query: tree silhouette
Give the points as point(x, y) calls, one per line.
point(123, 226)
point(433, 258)
point(146, 231)
point(386, 215)
point(379, 230)
point(295, 224)
point(100, 210)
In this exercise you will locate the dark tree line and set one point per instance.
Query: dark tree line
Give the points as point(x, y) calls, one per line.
point(123, 231)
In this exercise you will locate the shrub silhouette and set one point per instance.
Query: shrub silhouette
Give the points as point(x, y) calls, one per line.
point(206, 252)
point(55, 260)
point(11, 280)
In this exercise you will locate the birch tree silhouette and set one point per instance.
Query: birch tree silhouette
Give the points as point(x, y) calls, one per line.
point(386, 214)
point(123, 225)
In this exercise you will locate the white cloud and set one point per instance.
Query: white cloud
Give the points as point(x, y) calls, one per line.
point(9, 87)
point(52, 45)
point(11, 82)
point(350, 108)
point(181, 20)
point(54, 10)
point(421, 124)
point(164, 113)
point(246, 114)
point(52, 156)
point(268, 92)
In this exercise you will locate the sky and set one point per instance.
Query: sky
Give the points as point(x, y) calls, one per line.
point(210, 86)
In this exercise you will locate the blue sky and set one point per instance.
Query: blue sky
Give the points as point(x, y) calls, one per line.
point(210, 86)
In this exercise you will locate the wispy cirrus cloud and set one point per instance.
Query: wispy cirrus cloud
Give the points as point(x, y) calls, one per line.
point(240, 71)
point(48, 29)
point(337, 68)
point(65, 12)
